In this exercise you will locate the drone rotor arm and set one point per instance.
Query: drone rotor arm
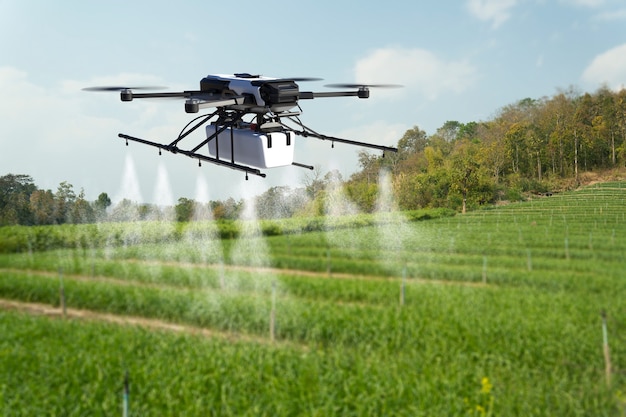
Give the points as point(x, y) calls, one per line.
point(196, 100)
point(362, 91)
point(309, 95)
point(129, 95)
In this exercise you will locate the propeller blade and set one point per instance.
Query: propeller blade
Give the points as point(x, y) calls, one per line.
point(296, 79)
point(302, 79)
point(118, 88)
point(363, 85)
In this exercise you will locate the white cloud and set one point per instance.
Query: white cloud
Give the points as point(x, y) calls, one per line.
point(377, 132)
point(60, 133)
point(608, 68)
point(584, 3)
point(190, 37)
point(496, 11)
point(539, 61)
point(417, 69)
point(612, 16)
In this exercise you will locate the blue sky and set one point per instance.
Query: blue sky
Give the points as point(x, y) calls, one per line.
point(458, 60)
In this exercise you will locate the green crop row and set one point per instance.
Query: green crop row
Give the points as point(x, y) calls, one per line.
point(40, 238)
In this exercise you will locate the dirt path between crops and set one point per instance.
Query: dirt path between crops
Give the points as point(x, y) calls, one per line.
point(47, 310)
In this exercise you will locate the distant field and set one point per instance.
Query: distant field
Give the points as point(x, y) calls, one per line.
point(495, 312)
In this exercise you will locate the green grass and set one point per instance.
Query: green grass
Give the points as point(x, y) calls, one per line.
point(512, 294)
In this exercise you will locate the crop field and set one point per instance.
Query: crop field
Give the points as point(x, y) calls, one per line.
point(512, 310)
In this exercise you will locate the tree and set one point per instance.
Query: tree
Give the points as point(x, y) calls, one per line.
point(468, 130)
point(434, 158)
point(124, 211)
point(516, 145)
point(101, 205)
point(81, 210)
point(406, 188)
point(620, 103)
point(558, 114)
point(370, 167)
point(536, 141)
point(64, 201)
point(450, 131)
point(184, 209)
point(410, 152)
point(42, 207)
point(492, 156)
point(363, 194)
point(607, 122)
point(414, 140)
point(281, 202)
point(15, 191)
point(465, 170)
point(517, 121)
point(227, 210)
point(313, 182)
point(581, 125)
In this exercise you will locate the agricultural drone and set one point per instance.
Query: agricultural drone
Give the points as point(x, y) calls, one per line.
point(255, 120)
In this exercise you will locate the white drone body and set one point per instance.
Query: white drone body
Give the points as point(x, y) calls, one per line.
point(253, 148)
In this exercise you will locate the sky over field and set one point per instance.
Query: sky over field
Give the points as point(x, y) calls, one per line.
point(458, 60)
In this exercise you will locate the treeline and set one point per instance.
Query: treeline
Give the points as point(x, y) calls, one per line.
point(532, 146)
point(23, 203)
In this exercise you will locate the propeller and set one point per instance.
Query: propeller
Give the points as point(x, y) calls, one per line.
point(296, 79)
point(301, 79)
point(363, 85)
point(117, 88)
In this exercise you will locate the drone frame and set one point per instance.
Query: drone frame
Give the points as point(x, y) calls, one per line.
point(273, 113)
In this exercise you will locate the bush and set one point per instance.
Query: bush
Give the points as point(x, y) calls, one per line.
point(513, 194)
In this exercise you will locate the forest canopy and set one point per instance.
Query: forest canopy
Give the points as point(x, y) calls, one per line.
point(532, 146)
